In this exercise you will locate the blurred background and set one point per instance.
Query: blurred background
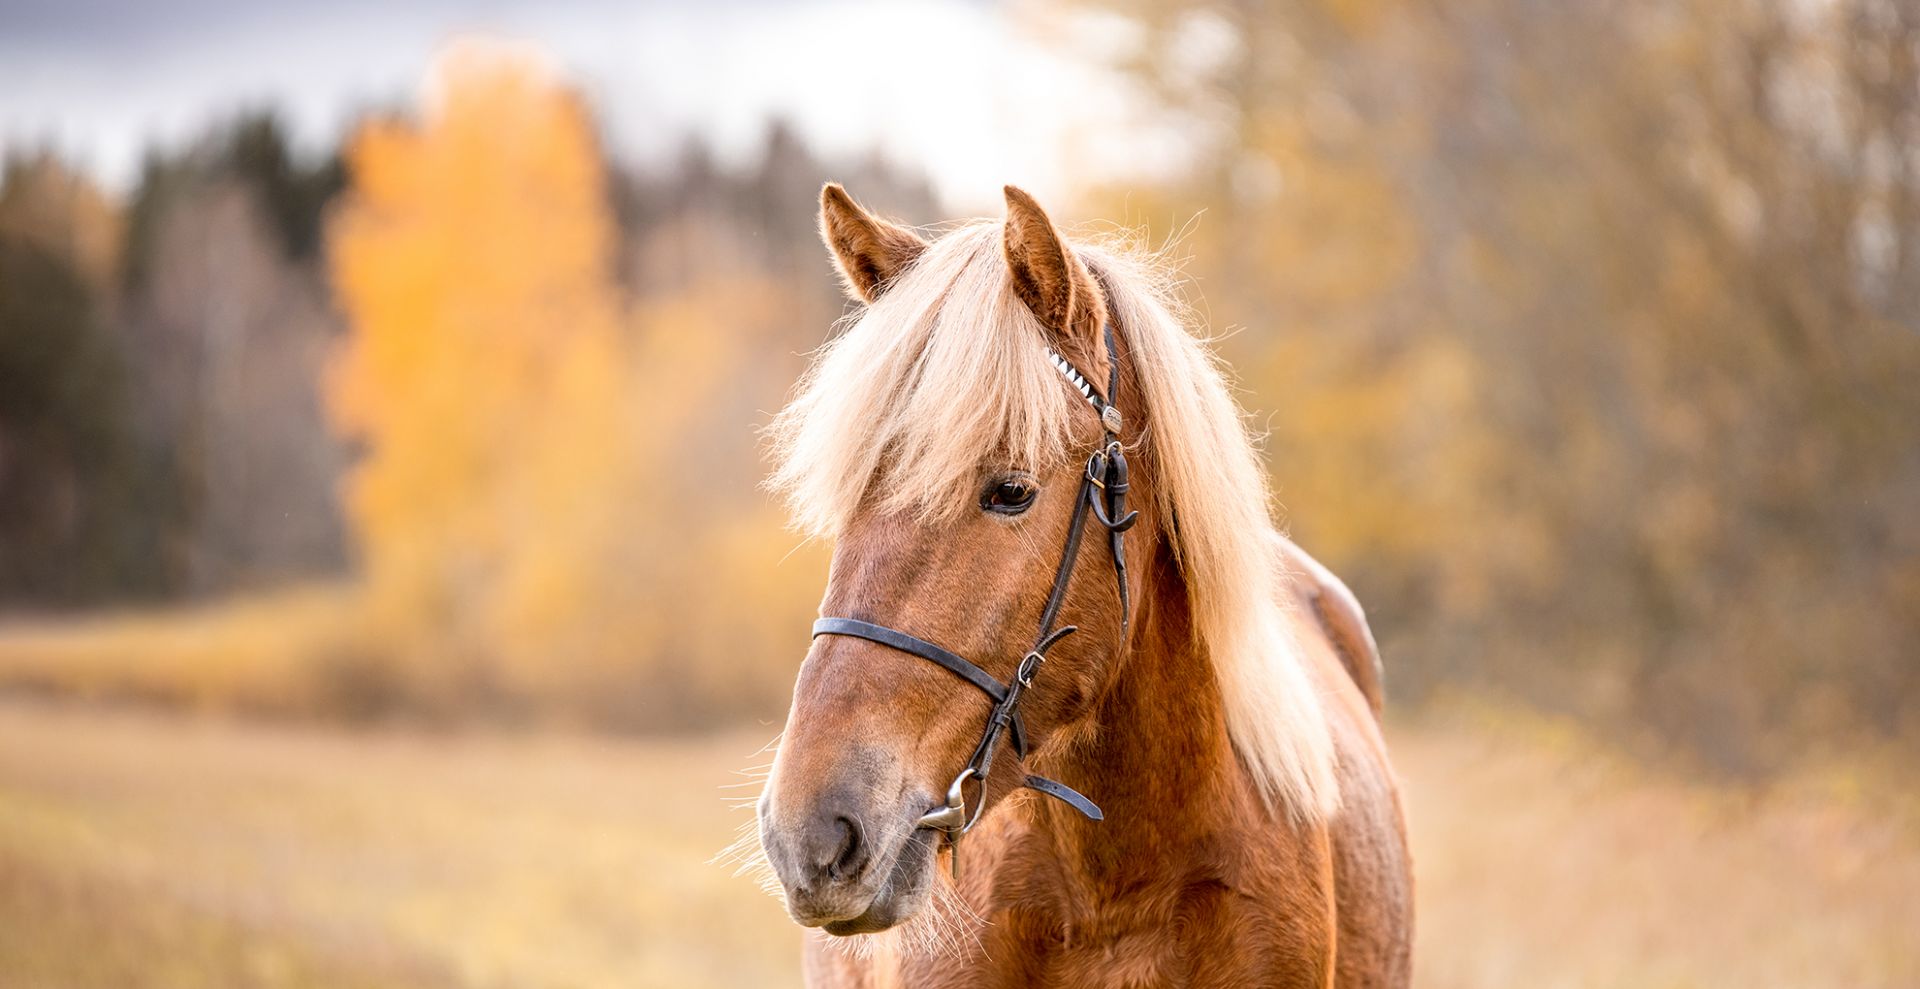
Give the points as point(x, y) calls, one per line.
point(387, 598)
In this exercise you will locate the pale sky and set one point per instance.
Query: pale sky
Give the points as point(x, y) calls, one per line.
point(964, 90)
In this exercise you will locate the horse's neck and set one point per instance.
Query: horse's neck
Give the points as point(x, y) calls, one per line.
point(1157, 756)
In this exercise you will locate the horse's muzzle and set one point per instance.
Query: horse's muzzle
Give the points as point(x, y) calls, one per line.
point(847, 867)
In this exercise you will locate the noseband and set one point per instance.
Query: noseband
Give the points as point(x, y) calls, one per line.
point(1103, 494)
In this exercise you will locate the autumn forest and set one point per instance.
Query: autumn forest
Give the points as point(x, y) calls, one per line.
point(1583, 341)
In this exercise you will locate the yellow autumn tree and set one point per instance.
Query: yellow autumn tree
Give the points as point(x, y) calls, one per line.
point(483, 375)
point(1584, 353)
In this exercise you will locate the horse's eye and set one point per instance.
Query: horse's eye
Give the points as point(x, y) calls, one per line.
point(1009, 495)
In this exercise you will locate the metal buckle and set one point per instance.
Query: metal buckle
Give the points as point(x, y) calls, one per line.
point(1029, 665)
point(1097, 469)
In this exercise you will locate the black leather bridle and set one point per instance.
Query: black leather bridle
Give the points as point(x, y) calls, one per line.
point(1102, 494)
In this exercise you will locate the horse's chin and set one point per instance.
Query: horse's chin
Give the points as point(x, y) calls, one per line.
point(906, 892)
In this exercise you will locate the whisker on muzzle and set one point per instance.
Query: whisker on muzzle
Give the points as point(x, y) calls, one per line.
point(744, 854)
point(749, 860)
point(948, 927)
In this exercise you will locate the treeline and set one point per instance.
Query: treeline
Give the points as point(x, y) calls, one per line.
point(161, 357)
point(1586, 342)
point(557, 374)
point(1588, 338)
point(499, 392)
point(162, 431)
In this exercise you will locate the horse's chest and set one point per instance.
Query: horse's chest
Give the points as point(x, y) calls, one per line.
point(1046, 927)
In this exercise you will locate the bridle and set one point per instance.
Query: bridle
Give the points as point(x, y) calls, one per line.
point(1102, 494)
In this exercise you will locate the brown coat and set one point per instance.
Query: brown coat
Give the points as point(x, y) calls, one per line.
point(1169, 890)
point(1197, 876)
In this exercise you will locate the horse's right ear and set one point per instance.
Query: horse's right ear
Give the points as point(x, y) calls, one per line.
point(870, 251)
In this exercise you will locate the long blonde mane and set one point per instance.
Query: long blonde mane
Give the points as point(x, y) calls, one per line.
point(949, 359)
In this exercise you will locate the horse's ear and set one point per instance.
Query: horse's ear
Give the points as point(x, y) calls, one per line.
point(869, 251)
point(1048, 278)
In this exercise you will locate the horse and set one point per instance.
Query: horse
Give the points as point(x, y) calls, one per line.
point(1015, 430)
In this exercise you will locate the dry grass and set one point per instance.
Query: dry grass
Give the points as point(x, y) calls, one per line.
point(1544, 861)
point(291, 651)
point(220, 854)
point(333, 652)
point(139, 849)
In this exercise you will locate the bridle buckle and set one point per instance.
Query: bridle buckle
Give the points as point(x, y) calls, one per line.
point(1029, 665)
point(1096, 473)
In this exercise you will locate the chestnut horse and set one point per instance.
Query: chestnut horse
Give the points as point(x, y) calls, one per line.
point(1002, 391)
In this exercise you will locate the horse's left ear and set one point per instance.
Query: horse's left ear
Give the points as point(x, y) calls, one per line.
point(869, 251)
point(1049, 279)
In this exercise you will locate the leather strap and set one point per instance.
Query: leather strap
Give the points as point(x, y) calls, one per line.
point(988, 684)
point(1063, 575)
point(1072, 797)
point(896, 639)
point(1103, 493)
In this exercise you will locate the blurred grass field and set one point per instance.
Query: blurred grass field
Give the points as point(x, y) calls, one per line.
point(287, 653)
point(140, 848)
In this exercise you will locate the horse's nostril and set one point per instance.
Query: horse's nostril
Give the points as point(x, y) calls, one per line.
point(852, 854)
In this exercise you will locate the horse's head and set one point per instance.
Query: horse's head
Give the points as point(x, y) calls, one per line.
point(958, 546)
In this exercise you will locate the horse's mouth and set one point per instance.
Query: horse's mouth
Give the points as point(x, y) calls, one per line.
point(904, 892)
point(872, 922)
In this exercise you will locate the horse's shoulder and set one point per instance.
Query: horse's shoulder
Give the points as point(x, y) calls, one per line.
point(1338, 613)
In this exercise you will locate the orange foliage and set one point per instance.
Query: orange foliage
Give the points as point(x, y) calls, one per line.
point(549, 509)
point(484, 368)
point(1586, 352)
